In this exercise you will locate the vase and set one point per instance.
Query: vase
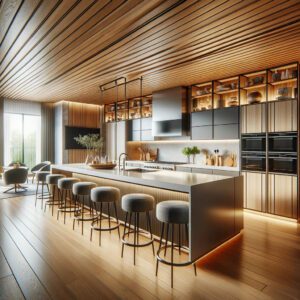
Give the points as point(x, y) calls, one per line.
point(89, 159)
point(193, 159)
point(188, 157)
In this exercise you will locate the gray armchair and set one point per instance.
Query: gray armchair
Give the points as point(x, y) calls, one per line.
point(16, 177)
point(43, 166)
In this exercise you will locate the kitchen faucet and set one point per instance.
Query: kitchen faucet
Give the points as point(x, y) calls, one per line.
point(126, 155)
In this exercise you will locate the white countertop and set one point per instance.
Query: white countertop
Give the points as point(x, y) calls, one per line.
point(171, 180)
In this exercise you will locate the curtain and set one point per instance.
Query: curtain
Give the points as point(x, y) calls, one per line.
point(1, 132)
point(47, 132)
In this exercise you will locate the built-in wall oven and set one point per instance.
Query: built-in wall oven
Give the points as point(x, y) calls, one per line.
point(283, 142)
point(254, 142)
point(283, 163)
point(253, 161)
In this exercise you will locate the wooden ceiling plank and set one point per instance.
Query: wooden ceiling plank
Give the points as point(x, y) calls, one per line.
point(41, 13)
point(56, 20)
point(23, 16)
point(194, 82)
point(109, 21)
point(69, 33)
point(8, 12)
point(119, 66)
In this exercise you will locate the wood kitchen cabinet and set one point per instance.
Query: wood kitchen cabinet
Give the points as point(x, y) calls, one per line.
point(253, 118)
point(282, 116)
point(255, 191)
point(282, 195)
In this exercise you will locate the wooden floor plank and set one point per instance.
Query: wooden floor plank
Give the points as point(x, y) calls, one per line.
point(262, 263)
point(9, 289)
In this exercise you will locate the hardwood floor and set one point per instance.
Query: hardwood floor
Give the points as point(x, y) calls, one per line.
point(42, 258)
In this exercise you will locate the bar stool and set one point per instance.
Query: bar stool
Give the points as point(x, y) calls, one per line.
point(41, 181)
point(65, 186)
point(109, 195)
point(81, 191)
point(136, 204)
point(52, 180)
point(172, 212)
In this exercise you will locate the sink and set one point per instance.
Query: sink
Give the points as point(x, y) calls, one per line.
point(140, 170)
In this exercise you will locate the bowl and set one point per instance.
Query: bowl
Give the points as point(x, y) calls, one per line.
point(103, 166)
point(254, 97)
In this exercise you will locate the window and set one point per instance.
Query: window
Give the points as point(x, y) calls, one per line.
point(22, 139)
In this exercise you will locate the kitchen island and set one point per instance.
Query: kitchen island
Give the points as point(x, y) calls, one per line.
point(216, 201)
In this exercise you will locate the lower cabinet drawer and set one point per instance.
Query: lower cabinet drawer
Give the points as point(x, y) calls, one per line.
point(202, 171)
point(226, 132)
point(226, 173)
point(202, 133)
point(183, 169)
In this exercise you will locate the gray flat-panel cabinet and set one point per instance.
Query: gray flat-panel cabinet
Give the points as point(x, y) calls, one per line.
point(202, 133)
point(228, 131)
point(228, 115)
point(202, 118)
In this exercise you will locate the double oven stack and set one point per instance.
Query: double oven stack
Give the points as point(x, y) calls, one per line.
point(276, 153)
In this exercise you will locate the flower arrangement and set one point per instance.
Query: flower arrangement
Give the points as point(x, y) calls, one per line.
point(93, 143)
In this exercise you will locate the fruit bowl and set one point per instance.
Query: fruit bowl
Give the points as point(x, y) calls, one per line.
point(103, 166)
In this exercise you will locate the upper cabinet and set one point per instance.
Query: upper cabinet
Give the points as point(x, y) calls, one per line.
point(283, 83)
point(202, 97)
point(226, 92)
point(110, 112)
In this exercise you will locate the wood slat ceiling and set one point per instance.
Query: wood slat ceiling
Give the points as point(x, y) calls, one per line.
point(63, 50)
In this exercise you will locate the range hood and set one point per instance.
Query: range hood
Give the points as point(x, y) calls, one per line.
point(169, 112)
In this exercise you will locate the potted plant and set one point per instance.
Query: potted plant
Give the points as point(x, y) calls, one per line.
point(194, 151)
point(94, 145)
point(187, 151)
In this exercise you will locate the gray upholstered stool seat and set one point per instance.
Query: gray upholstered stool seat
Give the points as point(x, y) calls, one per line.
point(82, 192)
point(53, 178)
point(99, 196)
point(67, 203)
point(83, 188)
point(42, 175)
point(105, 194)
point(173, 211)
point(41, 182)
point(137, 203)
point(67, 183)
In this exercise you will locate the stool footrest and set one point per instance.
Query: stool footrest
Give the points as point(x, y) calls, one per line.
point(125, 242)
point(169, 263)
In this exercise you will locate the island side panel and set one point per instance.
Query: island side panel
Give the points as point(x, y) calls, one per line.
point(126, 188)
point(212, 215)
point(239, 203)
